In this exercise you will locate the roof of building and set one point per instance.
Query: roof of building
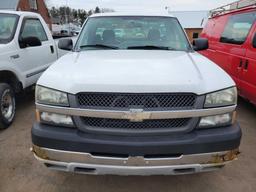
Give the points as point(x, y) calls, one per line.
point(9, 4)
point(191, 19)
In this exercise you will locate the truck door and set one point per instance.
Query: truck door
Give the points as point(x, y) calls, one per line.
point(248, 71)
point(36, 59)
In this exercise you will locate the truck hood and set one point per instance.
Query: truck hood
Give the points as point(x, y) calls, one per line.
point(133, 71)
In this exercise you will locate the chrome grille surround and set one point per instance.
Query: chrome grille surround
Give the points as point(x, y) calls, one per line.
point(139, 107)
point(79, 113)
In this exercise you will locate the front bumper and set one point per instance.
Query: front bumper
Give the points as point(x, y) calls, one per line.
point(75, 151)
point(86, 163)
point(195, 142)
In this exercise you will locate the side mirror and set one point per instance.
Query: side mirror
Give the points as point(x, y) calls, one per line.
point(65, 44)
point(200, 44)
point(30, 42)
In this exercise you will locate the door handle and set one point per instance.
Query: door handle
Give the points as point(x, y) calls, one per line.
point(246, 65)
point(52, 49)
point(240, 64)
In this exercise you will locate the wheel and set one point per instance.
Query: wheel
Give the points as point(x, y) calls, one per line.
point(7, 105)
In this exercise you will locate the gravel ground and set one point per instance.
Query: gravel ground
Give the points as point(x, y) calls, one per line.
point(19, 171)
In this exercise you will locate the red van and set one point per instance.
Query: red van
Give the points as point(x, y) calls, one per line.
point(231, 32)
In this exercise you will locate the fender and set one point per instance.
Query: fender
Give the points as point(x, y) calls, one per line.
point(8, 66)
point(7, 55)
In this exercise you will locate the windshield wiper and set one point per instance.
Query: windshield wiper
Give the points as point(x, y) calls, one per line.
point(99, 46)
point(151, 47)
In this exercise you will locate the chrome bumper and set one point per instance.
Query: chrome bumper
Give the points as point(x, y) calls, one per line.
point(86, 163)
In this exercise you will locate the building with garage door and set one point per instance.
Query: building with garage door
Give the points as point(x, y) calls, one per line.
point(37, 6)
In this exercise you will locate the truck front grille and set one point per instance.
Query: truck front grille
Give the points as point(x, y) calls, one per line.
point(122, 124)
point(126, 101)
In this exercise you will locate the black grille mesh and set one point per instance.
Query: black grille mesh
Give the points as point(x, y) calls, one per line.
point(126, 124)
point(161, 101)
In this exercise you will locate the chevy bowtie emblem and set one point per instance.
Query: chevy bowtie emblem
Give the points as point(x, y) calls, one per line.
point(137, 115)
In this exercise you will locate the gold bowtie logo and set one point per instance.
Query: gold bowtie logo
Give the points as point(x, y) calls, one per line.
point(137, 115)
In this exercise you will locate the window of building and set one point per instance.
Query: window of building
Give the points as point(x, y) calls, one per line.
point(195, 35)
point(238, 28)
point(33, 28)
point(33, 4)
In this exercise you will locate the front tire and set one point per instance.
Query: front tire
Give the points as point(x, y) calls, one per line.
point(7, 105)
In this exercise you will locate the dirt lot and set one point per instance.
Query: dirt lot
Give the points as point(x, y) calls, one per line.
point(19, 171)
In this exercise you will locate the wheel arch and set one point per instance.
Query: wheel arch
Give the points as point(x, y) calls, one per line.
point(11, 78)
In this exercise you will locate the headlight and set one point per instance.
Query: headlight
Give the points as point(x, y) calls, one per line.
point(55, 119)
point(51, 97)
point(221, 98)
point(216, 121)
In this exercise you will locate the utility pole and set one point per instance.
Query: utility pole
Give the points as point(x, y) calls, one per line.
point(67, 18)
point(66, 15)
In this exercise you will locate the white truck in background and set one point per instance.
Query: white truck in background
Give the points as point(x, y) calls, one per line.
point(27, 49)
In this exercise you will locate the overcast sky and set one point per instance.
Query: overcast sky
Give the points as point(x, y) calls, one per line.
point(128, 5)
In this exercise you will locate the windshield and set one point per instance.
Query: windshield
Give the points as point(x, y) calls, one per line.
point(132, 32)
point(8, 24)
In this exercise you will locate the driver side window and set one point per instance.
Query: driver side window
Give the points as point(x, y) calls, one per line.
point(33, 28)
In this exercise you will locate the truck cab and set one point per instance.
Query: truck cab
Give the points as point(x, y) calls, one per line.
point(27, 49)
point(231, 31)
point(140, 103)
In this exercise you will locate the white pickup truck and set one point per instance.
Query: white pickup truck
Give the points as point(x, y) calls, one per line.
point(26, 50)
point(134, 98)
